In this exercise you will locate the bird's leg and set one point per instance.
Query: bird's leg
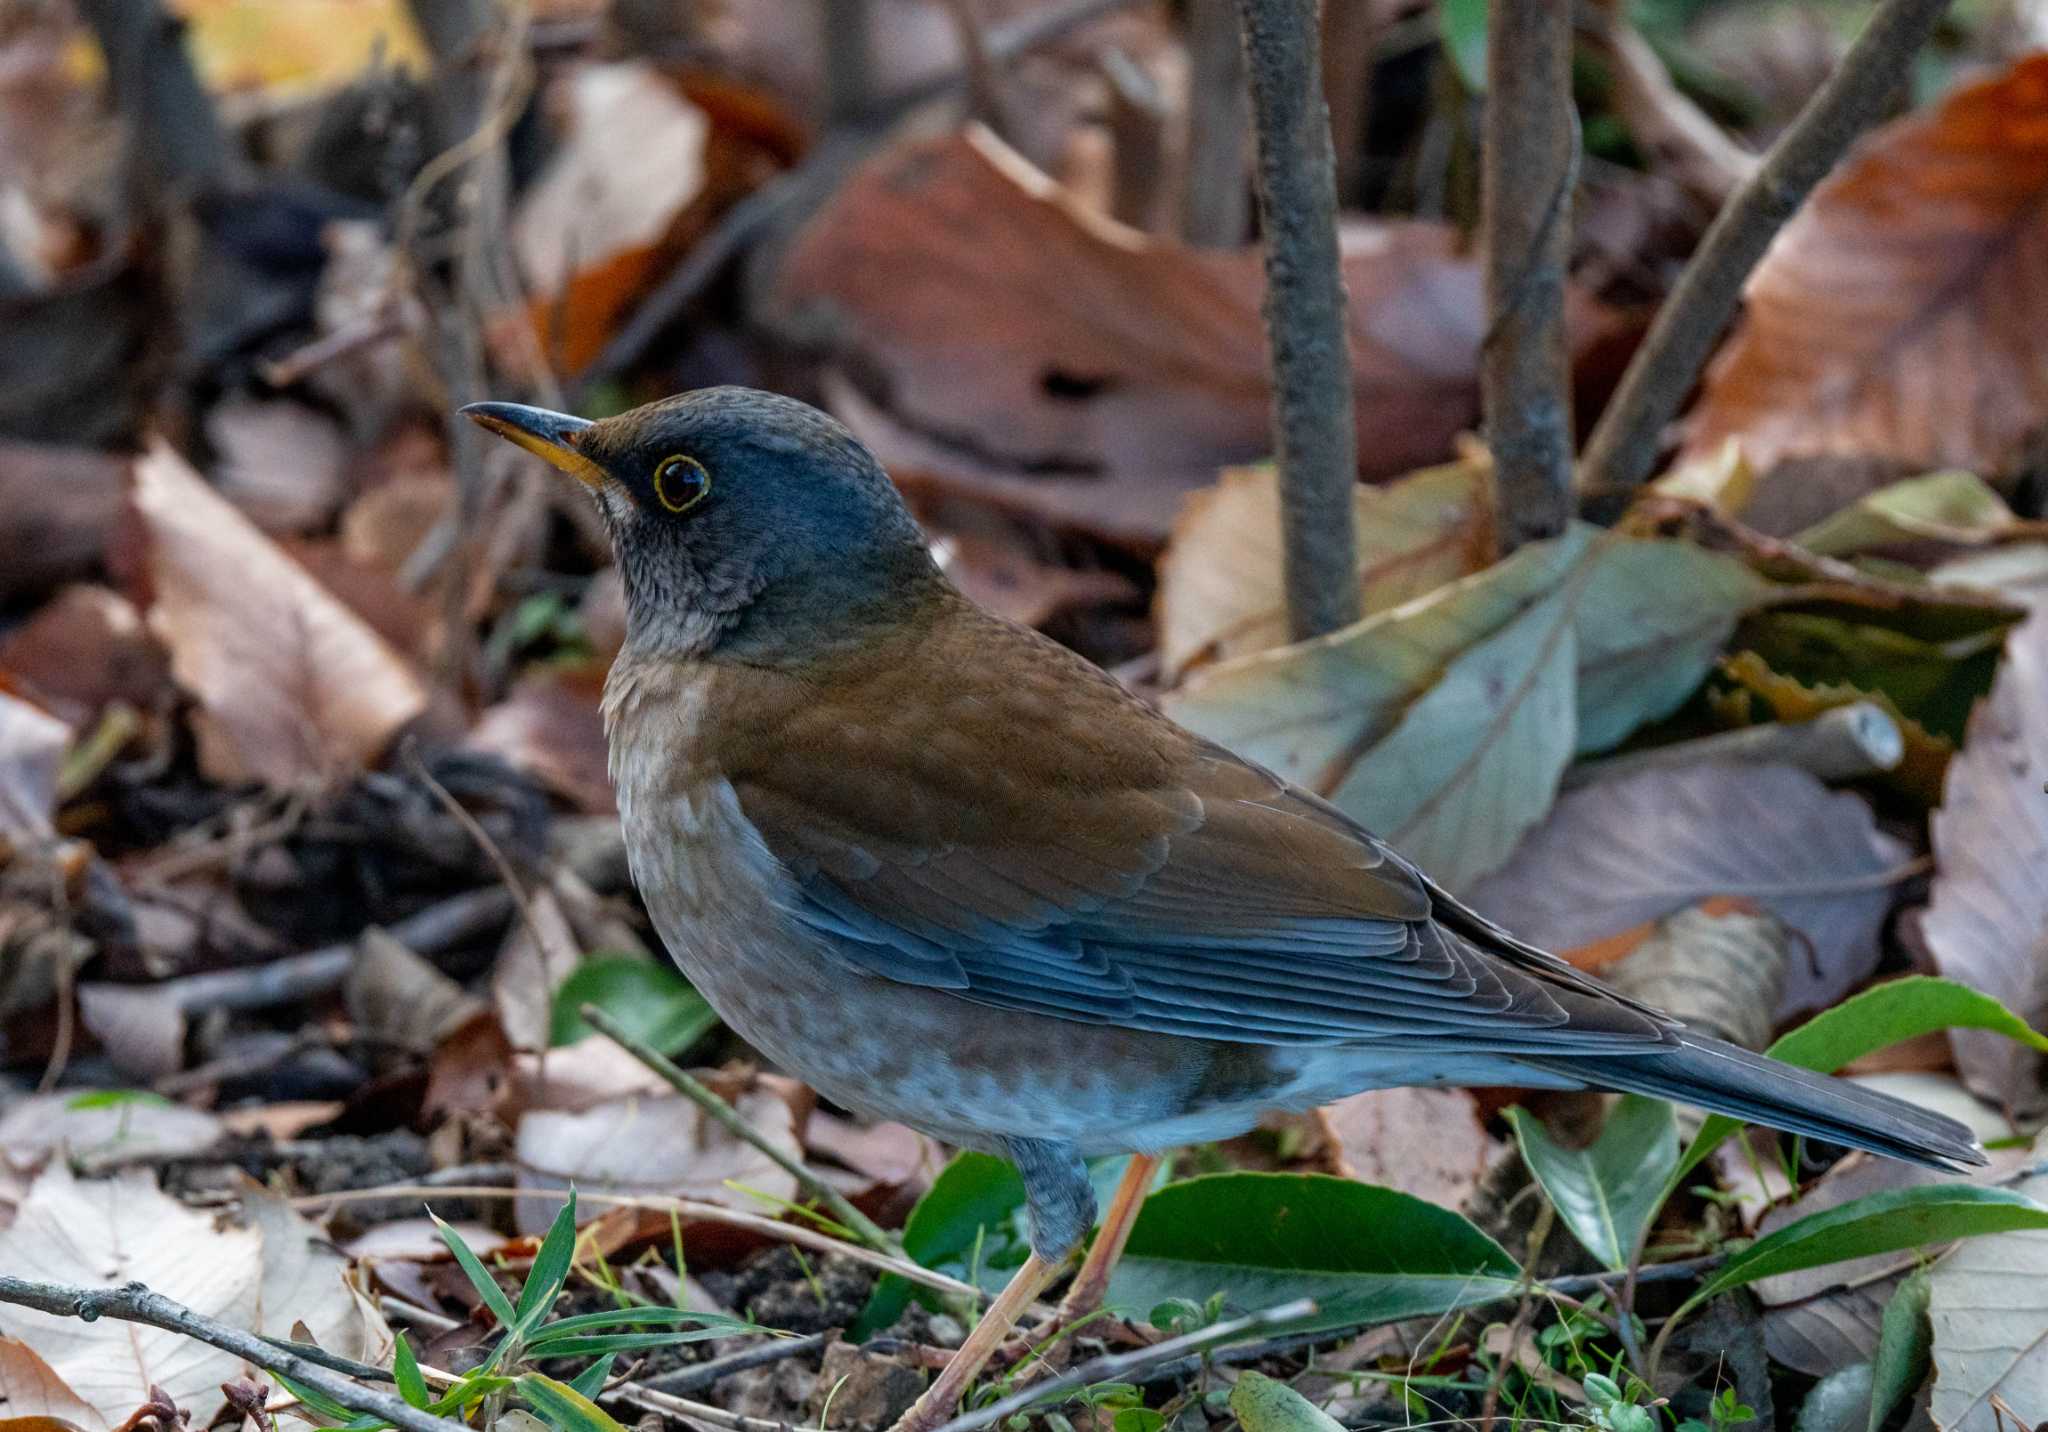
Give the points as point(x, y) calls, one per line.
point(1062, 1205)
point(1085, 1295)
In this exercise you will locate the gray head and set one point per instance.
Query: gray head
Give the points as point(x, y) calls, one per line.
point(745, 524)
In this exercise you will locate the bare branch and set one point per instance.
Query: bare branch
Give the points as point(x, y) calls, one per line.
point(1626, 442)
point(1315, 432)
point(1215, 206)
point(135, 1303)
point(1529, 166)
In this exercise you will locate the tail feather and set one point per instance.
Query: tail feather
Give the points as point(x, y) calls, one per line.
point(1730, 1080)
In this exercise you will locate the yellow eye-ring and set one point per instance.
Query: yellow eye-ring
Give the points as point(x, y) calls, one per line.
point(681, 483)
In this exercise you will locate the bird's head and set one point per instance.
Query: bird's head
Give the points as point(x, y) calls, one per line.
point(745, 524)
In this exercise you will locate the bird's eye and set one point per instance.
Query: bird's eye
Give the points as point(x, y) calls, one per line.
point(681, 483)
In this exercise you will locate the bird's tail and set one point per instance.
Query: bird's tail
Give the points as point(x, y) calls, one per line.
point(1730, 1080)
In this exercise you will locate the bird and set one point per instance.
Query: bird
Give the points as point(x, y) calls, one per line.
point(952, 874)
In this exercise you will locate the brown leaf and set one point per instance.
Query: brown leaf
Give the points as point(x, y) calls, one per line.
point(137, 1130)
point(1219, 583)
point(549, 725)
point(1428, 1142)
point(1032, 351)
point(283, 464)
point(84, 648)
point(537, 956)
point(398, 998)
point(1005, 577)
point(1899, 313)
point(1987, 923)
point(31, 1391)
point(293, 686)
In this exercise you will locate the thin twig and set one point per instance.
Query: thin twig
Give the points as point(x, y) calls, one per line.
point(135, 1303)
point(1528, 164)
point(1214, 206)
point(1629, 435)
point(1307, 322)
point(728, 1118)
point(1122, 1366)
point(796, 1233)
point(703, 1374)
point(1846, 743)
point(642, 1396)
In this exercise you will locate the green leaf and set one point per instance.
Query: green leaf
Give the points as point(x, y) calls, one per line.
point(652, 1001)
point(1879, 1017)
point(563, 1407)
point(583, 1323)
point(591, 1380)
point(1956, 507)
point(1839, 1402)
point(1264, 1405)
point(116, 1099)
point(342, 1419)
point(405, 1371)
point(479, 1276)
point(1934, 683)
point(545, 1345)
point(1885, 1222)
point(1905, 1346)
point(1463, 25)
point(1608, 1193)
point(1364, 1253)
point(550, 1270)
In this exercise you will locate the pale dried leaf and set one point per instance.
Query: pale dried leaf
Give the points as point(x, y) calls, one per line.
point(1719, 970)
point(103, 1233)
point(1988, 1306)
point(1219, 582)
point(661, 1146)
point(29, 1387)
point(32, 743)
point(307, 1281)
point(537, 956)
point(1428, 1142)
point(283, 465)
point(294, 686)
point(1987, 920)
point(136, 1129)
point(634, 157)
point(141, 1027)
point(1899, 312)
point(1954, 507)
point(1623, 851)
point(549, 725)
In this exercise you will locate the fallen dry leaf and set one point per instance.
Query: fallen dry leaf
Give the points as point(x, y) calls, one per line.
point(398, 998)
point(283, 464)
point(98, 1125)
point(1026, 350)
point(599, 198)
point(294, 688)
point(1637, 847)
point(1427, 1142)
point(1006, 578)
point(61, 506)
point(532, 964)
point(1898, 314)
point(661, 1146)
point(33, 1398)
point(1220, 590)
point(1785, 698)
point(308, 1282)
point(106, 1232)
point(85, 647)
point(1987, 920)
point(549, 726)
point(32, 743)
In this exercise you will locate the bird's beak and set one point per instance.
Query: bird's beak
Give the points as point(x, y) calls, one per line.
point(552, 436)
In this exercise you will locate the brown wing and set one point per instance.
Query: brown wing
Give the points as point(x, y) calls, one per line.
point(984, 812)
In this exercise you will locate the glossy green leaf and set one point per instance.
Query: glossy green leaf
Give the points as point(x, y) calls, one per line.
point(1905, 1346)
point(1606, 1193)
point(550, 1270)
point(563, 1407)
point(1885, 1222)
point(405, 1371)
point(1462, 24)
point(1364, 1253)
point(341, 1418)
point(1881, 1016)
point(1265, 1405)
point(479, 1276)
point(651, 1001)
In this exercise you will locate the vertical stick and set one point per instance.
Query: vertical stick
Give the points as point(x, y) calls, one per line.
point(1625, 443)
point(1316, 440)
point(1527, 168)
point(1215, 208)
point(848, 30)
